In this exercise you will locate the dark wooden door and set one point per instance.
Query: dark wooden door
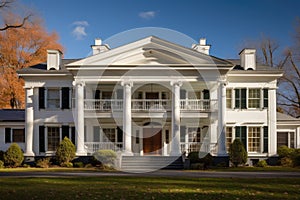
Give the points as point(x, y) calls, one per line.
point(152, 141)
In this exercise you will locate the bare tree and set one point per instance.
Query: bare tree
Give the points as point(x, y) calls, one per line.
point(4, 5)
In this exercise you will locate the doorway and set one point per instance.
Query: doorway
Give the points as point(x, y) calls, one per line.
point(152, 141)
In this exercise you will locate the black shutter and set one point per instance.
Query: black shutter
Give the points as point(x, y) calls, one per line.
point(7, 135)
point(266, 139)
point(243, 98)
point(244, 136)
point(240, 133)
point(119, 94)
point(237, 98)
point(182, 94)
point(41, 98)
point(23, 139)
point(182, 133)
point(65, 103)
point(65, 132)
point(119, 134)
point(206, 94)
point(73, 134)
point(266, 98)
point(96, 133)
point(97, 94)
point(42, 139)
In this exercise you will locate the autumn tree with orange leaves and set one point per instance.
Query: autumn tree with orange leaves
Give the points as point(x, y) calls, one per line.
point(20, 48)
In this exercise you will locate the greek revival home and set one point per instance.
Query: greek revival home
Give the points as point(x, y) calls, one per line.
point(154, 97)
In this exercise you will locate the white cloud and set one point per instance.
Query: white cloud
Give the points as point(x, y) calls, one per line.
point(79, 30)
point(147, 14)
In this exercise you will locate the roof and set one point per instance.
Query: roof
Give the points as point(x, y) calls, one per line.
point(285, 117)
point(12, 115)
point(259, 66)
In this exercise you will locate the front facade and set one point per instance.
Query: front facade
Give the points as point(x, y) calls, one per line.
point(151, 97)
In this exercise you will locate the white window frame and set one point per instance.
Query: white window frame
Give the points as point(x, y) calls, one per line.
point(257, 99)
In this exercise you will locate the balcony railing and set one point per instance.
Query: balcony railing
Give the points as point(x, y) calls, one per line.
point(151, 104)
point(92, 147)
point(205, 105)
point(198, 104)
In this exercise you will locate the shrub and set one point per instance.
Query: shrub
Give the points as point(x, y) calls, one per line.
point(13, 157)
point(43, 163)
point(26, 166)
point(194, 157)
point(2, 155)
point(106, 157)
point(79, 164)
point(67, 164)
point(197, 157)
point(296, 157)
point(284, 151)
point(1, 164)
point(286, 162)
point(261, 163)
point(65, 152)
point(237, 153)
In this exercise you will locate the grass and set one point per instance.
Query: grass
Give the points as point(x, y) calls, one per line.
point(148, 188)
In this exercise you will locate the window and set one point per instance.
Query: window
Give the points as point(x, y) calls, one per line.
point(182, 133)
point(53, 98)
point(53, 138)
point(167, 136)
point(109, 135)
point(228, 137)
point(286, 138)
point(240, 133)
point(96, 132)
point(254, 98)
point(240, 98)
point(137, 136)
point(194, 134)
point(254, 139)
point(14, 135)
point(228, 98)
point(18, 135)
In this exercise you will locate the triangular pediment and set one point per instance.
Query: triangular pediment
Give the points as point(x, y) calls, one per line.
point(150, 51)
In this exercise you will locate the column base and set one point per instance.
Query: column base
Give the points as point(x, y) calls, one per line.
point(127, 153)
point(29, 154)
point(81, 153)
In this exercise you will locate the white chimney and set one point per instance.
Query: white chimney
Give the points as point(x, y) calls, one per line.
point(248, 59)
point(202, 46)
point(98, 47)
point(54, 58)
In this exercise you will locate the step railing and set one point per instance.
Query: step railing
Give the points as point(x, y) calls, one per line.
point(187, 147)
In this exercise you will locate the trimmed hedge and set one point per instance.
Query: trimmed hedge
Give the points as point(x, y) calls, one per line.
point(13, 157)
point(106, 157)
point(65, 152)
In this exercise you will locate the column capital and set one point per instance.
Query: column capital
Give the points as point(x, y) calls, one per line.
point(176, 83)
point(78, 83)
point(127, 83)
point(223, 80)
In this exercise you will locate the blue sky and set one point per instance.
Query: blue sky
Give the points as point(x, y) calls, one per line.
point(225, 24)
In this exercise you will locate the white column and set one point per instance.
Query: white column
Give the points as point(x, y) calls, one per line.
point(175, 142)
point(29, 119)
point(272, 121)
point(127, 117)
point(79, 118)
point(221, 119)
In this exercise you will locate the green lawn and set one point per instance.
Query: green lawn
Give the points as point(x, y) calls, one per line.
point(148, 188)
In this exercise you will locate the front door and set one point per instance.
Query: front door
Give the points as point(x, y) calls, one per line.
point(152, 141)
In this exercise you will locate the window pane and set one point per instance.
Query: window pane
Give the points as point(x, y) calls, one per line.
point(53, 99)
point(282, 139)
point(194, 135)
point(254, 139)
point(228, 98)
point(254, 98)
point(109, 135)
point(53, 138)
point(18, 135)
point(228, 137)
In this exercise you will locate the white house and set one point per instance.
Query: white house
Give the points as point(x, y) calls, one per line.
point(154, 97)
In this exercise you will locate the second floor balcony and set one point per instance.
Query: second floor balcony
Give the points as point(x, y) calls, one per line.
point(150, 105)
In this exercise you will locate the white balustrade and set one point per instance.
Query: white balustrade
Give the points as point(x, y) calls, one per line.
point(205, 105)
point(92, 147)
point(187, 147)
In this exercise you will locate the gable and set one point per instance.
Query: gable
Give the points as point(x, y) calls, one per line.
point(150, 51)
